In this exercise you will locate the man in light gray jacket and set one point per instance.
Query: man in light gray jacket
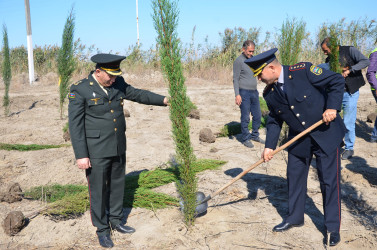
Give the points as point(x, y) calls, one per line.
point(247, 96)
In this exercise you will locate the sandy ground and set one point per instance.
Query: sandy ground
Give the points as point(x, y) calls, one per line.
point(241, 217)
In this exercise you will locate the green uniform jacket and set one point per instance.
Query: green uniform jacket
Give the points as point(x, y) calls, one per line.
point(96, 121)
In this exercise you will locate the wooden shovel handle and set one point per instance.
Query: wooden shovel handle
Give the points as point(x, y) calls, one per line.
point(273, 153)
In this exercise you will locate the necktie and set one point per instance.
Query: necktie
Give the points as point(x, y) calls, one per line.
point(109, 90)
point(280, 86)
point(280, 89)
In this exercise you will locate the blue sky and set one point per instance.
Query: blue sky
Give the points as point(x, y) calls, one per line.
point(111, 25)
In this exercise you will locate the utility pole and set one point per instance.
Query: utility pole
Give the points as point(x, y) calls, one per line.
point(29, 43)
point(137, 23)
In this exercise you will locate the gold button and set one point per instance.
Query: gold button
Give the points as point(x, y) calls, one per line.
point(304, 96)
point(279, 111)
point(115, 129)
point(109, 102)
point(272, 89)
point(112, 111)
point(298, 115)
point(115, 120)
point(303, 123)
point(292, 107)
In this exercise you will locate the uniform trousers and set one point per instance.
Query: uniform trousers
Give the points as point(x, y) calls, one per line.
point(106, 190)
point(328, 170)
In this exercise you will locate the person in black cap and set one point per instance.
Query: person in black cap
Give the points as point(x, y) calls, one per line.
point(97, 127)
point(301, 95)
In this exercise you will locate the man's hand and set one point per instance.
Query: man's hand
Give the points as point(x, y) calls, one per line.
point(329, 115)
point(83, 163)
point(345, 72)
point(238, 100)
point(166, 101)
point(266, 154)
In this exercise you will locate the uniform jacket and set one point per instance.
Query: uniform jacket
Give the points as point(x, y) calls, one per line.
point(96, 121)
point(309, 91)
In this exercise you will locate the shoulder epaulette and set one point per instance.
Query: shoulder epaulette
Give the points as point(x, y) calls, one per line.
point(77, 83)
point(297, 66)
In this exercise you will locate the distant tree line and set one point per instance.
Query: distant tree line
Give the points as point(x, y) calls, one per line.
point(198, 57)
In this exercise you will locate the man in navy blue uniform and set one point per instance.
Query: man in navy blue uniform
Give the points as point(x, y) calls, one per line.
point(301, 95)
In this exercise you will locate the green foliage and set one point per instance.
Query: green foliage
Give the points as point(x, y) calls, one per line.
point(70, 206)
point(361, 33)
point(165, 19)
point(146, 198)
point(202, 59)
point(290, 41)
point(234, 128)
point(6, 69)
point(334, 55)
point(66, 61)
point(54, 192)
point(66, 127)
point(67, 201)
point(30, 147)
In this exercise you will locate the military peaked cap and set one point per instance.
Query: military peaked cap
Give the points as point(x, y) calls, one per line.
point(109, 63)
point(258, 62)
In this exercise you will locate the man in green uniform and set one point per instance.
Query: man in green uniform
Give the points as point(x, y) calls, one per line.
point(97, 127)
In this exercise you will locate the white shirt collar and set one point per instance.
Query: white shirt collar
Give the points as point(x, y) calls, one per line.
point(281, 76)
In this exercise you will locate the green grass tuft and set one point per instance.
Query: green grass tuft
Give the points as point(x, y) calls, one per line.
point(234, 128)
point(146, 198)
point(55, 192)
point(31, 147)
point(70, 201)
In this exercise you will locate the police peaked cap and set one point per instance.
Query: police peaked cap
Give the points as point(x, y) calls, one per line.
point(258, 62)
point(109, 63)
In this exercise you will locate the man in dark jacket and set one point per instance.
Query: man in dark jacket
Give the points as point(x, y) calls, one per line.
point(301, 95)
point(97, 127)
point(352, 62)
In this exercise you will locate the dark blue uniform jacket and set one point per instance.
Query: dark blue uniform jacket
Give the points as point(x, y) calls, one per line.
point(309, 91)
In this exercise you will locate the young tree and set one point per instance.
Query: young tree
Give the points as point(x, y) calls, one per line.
point(334, 48)
point(165, 19)
point(7, 73)
point(66, 61)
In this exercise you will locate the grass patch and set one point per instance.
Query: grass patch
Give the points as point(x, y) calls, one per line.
point(55, 192)
point(70, 201)
point(30, 147)
point(147, 198)
point(234, 128)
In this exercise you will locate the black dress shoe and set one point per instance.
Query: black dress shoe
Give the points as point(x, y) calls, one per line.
point(334, 239)
point(284, 226)
point(105, 241)
point(124, 229)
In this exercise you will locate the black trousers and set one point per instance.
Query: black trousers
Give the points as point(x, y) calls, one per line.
point(328, 167)
point(106, 191)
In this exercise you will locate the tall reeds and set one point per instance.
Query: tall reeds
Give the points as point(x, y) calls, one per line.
point(290, 40)
point(6, 70)
point(165, 19)
point(201, 59)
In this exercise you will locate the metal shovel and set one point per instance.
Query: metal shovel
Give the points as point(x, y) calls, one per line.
point(203, 204)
